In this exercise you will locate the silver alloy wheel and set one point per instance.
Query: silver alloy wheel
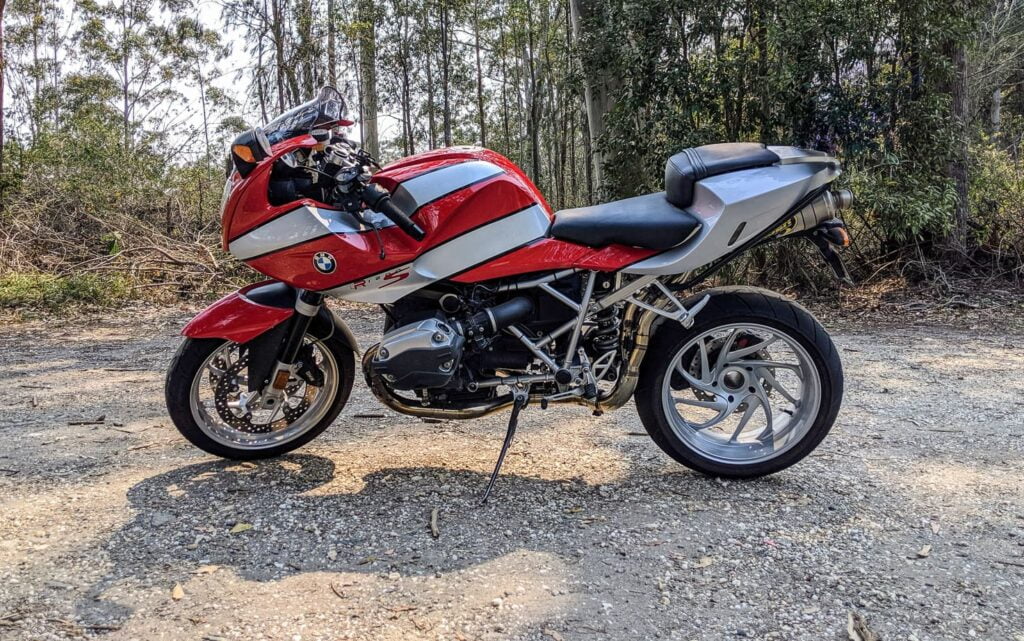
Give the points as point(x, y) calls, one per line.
point(303, 408)
point(751, 392)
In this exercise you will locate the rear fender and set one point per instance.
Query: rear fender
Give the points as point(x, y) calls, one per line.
point(254, 310)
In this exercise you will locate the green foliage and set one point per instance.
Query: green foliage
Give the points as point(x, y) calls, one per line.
point(903, 202)
point(33, 289)
point(997, 186)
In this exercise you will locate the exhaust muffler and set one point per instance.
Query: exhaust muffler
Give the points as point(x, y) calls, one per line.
point(824, 207)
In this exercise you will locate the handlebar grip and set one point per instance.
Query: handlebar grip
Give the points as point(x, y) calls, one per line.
point(379, 199)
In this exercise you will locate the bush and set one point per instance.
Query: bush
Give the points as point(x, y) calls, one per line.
point(29, 289)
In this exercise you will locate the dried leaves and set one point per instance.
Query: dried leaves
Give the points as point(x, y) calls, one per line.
point(858, 630)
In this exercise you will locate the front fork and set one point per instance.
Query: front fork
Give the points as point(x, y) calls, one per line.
point(307, 306)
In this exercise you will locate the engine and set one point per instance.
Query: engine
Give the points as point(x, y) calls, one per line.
point(428, 353)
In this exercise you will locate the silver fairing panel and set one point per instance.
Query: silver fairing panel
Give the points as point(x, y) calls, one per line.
point(734, 207)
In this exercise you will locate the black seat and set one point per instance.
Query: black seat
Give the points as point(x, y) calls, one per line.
point(645, 221)
point(696, 163)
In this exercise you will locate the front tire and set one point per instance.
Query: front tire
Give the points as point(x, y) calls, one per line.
point(750, 389)
point(205, 407)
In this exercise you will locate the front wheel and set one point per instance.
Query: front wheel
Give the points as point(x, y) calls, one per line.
point(209, 402)
point(750, 389)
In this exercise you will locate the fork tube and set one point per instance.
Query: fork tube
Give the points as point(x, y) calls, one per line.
point(307, 305)
point(584, 307)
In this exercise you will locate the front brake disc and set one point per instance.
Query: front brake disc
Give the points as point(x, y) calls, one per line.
point(227, 390)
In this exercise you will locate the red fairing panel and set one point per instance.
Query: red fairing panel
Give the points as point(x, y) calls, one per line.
point(236, 318)
point(551, 254)
point(358, 254)
point(247, 206)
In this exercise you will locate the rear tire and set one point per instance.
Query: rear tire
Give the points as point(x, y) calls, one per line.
point(810, 414)
point(192, 356)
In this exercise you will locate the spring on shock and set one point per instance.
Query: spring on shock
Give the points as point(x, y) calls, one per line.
point(605, 337)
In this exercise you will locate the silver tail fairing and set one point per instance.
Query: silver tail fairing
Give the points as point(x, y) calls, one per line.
point(742, 205)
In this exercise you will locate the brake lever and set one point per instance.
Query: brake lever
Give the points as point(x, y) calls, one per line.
point(376, 231)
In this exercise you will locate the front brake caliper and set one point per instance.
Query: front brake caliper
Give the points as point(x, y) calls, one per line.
point(306, 367)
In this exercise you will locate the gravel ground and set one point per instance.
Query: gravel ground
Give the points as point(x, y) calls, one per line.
point(911, 513)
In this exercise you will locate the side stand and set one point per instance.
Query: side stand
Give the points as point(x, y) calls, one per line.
point(517, 405)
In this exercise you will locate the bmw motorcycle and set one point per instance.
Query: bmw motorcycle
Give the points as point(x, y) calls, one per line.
point(493, 301)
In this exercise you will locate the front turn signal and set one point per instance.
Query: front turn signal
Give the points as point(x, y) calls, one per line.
point(248, 150)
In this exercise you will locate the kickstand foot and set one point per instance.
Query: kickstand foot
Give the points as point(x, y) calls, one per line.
point(517, 405)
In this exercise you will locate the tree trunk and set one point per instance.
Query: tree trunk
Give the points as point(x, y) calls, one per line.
point(277, 30)
point(261, 92)
point(431, 124)
point(408, 141)
point(37, 79)
point(995, 115)
point(600, 84)
point(368, 73)
point(332, 59)
point(206, 139)
point(125, 78)
point(446, 107)
point(479, 76)
point(504, 89)
point(3, 63)
point(534, 99)
point(958, 238)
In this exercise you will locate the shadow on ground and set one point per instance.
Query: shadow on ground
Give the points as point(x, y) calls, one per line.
point(199, 515)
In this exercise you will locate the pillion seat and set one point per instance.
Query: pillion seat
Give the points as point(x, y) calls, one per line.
point(684, 169)
point(659, 221)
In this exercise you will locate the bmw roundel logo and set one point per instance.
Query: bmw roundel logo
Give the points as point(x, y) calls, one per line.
point(324, 262)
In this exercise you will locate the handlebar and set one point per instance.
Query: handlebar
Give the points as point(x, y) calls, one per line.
point(379, 199)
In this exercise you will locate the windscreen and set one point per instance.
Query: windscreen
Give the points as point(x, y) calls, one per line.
point(323, 111)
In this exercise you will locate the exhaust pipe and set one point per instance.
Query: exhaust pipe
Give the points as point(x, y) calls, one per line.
point(824, 207)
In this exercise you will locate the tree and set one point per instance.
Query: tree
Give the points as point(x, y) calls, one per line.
point(3, 74)
point(121, 38)
point(589, 21)
point(366, 34)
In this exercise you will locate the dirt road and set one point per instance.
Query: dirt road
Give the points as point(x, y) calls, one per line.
point(911, 512)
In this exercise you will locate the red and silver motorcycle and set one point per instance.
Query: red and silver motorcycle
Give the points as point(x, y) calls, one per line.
point(493, 301)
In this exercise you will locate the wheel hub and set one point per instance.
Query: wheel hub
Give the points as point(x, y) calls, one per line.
point(235, 406)
point(732, 379)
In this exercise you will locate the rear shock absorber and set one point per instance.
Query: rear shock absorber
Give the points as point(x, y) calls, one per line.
point(605, 336)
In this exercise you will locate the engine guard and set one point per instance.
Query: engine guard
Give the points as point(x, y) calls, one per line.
point(256, 309)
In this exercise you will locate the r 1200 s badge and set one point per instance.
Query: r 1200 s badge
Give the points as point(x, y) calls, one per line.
point(324, 262)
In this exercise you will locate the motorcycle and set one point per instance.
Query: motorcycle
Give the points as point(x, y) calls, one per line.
point(493, 301)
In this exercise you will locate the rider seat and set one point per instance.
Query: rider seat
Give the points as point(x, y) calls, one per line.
point(644, 221)
point(659, 221)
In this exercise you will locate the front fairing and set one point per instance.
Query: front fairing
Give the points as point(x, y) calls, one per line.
point(246, 204)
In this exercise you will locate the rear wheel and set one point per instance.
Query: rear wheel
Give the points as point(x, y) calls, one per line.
point(750, 389)
point(209, 402)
